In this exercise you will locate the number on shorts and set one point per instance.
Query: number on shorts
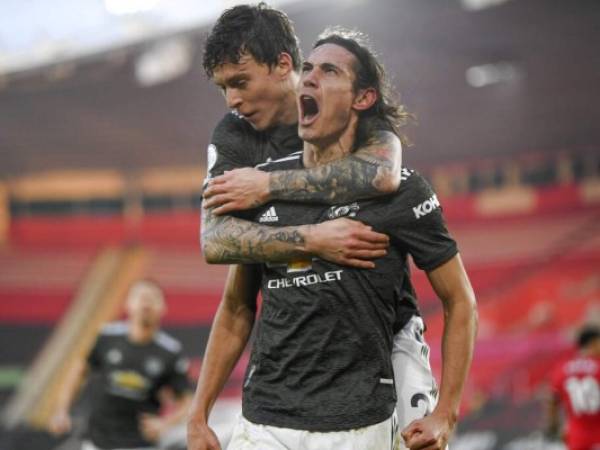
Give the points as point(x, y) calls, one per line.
point(420, 397)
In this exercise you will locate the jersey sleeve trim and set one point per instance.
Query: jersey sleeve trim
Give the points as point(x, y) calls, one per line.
point(167, 342)
point(440, 260)
point(114, 329)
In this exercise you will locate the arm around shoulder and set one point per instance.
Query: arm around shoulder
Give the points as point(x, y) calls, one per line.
point(371, 171)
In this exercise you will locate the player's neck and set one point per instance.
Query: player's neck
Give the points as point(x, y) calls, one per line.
point(327, 150)
point(141, 333)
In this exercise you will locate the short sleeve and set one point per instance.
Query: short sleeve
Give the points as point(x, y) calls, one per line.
point(419, 225)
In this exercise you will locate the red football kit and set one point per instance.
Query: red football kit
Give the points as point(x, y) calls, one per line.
point(577, 383)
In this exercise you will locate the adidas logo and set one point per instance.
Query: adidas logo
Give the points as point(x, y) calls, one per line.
point(269, 216)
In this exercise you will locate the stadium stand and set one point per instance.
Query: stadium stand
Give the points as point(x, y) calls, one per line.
point(533, 264)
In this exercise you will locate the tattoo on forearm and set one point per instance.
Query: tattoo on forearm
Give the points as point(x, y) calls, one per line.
point(371, 171)
point(229, 240)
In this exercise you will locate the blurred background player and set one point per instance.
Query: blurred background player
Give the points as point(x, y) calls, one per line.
point(576, 389)
point(137, 364)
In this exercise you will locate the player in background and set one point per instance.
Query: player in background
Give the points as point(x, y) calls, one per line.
point(138, 364)
point(576, 389)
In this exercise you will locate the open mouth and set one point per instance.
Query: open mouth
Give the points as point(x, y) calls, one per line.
point(309, 109)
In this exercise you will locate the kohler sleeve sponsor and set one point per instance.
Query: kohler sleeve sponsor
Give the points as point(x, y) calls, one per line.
point(426, 207)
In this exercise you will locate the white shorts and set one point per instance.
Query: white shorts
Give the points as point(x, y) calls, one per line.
point(89, 445)
point(251, 436)
point(415, 385)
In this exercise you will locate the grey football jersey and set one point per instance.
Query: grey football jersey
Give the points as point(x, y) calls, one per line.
point(321, 357)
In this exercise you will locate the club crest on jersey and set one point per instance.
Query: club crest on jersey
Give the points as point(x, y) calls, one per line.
point(270, 215)
point(343, 211)
point(182, 365)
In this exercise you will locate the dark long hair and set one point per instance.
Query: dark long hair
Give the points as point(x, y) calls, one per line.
point(258, 30)
point(387, 113)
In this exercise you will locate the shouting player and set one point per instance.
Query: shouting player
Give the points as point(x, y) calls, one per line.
point(252, 54)
point(320, 373)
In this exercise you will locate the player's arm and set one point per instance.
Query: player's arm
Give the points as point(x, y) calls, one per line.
point(552, 426)
point(231, 240)
point(228, 337)
point(451, 283)
point(153, 426)
point(371, 171)
point(227, 240)
point(60, 422)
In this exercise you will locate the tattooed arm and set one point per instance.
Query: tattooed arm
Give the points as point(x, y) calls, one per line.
point(371, 171)
point(227, 240)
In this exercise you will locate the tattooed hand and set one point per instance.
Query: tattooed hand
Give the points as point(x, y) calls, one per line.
point(236, 190)
point(228, 240)
point(347, 242)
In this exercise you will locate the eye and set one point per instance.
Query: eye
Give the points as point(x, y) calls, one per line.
point(306, 69)
point(239, 84)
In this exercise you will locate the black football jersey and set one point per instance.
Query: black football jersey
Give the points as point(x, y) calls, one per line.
point(130, 376)
point(321, 357)
point(235, 144)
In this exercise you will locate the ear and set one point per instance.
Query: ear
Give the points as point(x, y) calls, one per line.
point(365, 98)
point(284, 65)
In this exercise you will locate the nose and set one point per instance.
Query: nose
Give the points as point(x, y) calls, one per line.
point(233, 98)
point(309, 79)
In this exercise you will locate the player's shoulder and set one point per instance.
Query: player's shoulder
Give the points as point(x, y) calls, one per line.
point(581, 365)
point(167, 342)
point(415, 195)
point(291, 161)
point(412, 182)
point(114, 329)
point(407, 174)
point(231, 124)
